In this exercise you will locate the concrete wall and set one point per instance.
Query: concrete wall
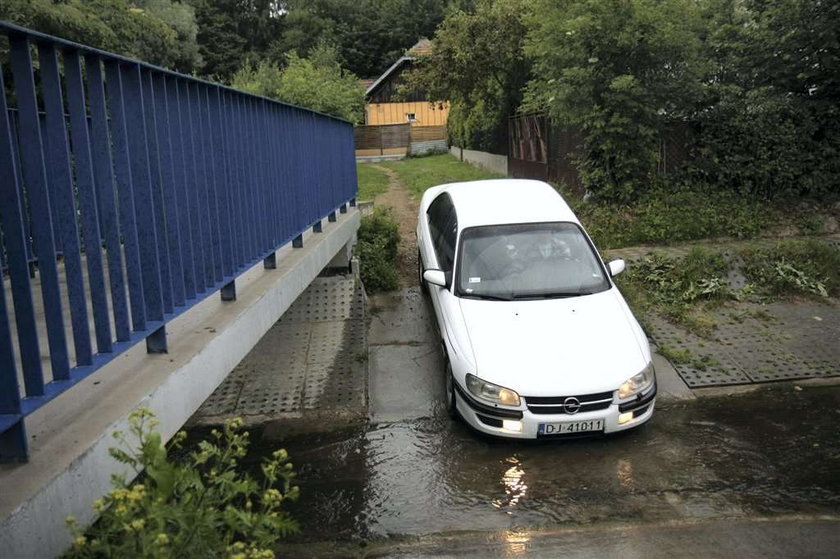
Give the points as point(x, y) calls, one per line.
point(429, 146)
point(488, 161)
point(69, 464)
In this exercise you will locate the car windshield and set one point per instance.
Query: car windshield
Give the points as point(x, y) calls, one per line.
point(530, 260)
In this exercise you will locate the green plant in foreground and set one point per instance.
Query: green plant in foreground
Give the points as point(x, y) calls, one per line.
point(204, 507)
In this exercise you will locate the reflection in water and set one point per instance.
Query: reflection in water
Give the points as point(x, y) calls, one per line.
point(514, 485)
point(624, 471)
point(516, 543)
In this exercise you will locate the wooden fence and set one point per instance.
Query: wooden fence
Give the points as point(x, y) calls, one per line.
point(538, 150)
point(388, 139)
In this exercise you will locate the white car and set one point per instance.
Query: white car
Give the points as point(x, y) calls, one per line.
point(538, 340)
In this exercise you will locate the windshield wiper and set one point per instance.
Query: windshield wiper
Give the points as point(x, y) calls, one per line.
point(488, 297)
point(558, 295)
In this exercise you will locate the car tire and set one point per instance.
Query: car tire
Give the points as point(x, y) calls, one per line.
point(424, 288)
point(451, 403)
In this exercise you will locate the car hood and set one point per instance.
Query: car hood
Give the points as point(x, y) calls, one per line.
point(555, 347)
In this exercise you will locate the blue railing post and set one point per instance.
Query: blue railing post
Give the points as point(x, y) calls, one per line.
point(35, 177)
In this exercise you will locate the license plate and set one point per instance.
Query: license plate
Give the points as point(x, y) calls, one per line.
point(592, 425)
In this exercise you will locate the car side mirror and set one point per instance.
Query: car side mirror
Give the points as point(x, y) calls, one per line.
point(435, 277)
point(616, 267)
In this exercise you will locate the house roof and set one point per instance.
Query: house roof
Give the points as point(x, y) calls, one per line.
point(421, 48)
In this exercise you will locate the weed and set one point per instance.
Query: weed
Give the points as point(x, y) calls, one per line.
point(808, 268)
point(686, 357)
point(680, 289)
point(377, 245)
point(204, 507)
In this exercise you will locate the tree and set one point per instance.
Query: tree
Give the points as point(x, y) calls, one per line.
point(317, 82)
point(234, 32)
point(161, 32)
point(478, 65)
point(617, 70)
point(767, 122)
point(369, 35)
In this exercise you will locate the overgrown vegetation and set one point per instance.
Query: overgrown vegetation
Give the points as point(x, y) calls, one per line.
point(810, 268)
point(372, 181)
point(376, 247)
point(316, 82)
point(203, 507)
point(161, 32)
point(420, 173)
point(666, 216)
point(684, 290)
point(752, 83)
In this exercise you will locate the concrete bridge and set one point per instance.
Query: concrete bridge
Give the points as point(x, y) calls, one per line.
point(140, 205)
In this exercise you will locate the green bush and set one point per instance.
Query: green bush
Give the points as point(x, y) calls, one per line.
point(377, 245)
point(666, 216)
point(204, 507)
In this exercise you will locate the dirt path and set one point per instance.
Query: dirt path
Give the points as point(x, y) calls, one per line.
point(404, 211)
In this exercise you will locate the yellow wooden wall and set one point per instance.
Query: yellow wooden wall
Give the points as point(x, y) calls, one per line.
point(427, 114)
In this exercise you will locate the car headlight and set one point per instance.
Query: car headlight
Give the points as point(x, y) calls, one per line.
point(491, 392)
point(637, 383)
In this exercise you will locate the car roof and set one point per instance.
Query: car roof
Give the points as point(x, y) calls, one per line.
point(501, 201)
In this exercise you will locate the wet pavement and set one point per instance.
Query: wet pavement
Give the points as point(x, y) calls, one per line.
point(414, 483)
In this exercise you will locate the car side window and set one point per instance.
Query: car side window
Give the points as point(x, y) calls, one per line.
point(443, 225)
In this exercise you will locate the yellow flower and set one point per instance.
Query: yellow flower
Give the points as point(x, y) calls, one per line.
point(162, 539)
point(138, 524)
point(99, 505)
point(80, 541)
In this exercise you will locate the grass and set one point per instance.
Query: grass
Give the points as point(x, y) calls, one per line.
point(667, 216)
point(685, 290)
point(420, 173)
point(372, 181)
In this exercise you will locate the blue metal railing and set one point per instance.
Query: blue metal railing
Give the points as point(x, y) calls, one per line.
point(157, 190)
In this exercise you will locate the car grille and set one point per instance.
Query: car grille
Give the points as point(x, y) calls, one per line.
point(546, 405)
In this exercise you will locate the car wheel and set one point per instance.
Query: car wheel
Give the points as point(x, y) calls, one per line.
point(423, 287)
point(451, 404)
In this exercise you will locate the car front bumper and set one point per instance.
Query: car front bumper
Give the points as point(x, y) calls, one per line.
point(523, 424)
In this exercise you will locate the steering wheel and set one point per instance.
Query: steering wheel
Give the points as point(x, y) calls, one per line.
point(514, 267)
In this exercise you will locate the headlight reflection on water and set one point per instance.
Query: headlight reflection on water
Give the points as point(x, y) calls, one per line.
point(514, 485)
point(516, 543)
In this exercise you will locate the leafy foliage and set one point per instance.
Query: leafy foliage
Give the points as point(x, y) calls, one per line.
point(233, 32)
point(369, 34)
point(479, 67)
point(317, 82)
point(162, 32)
point(811, 268)
point(683, 289)
point(615, 70)
point(671, 215)
point(377, 244)
point(203, 508)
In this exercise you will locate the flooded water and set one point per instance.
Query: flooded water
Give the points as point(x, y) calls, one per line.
point(774, 451)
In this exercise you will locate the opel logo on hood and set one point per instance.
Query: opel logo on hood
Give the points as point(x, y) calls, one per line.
point(571, 405)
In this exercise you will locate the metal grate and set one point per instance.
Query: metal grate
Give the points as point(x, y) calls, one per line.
point(309, 359)
point(754, 343)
